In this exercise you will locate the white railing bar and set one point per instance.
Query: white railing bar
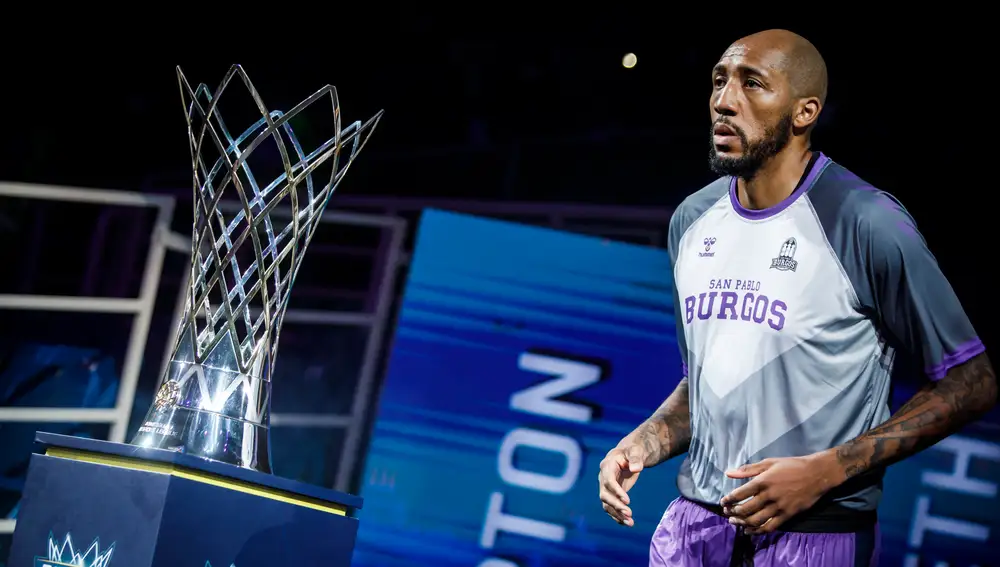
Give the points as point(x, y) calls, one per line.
point(331, 215)
point(311, 317)
point(140, 326)
point(70, 303)
point(309, 420)
point(494, 208)
point(58, 415)
point(314, 317)
point(369, 365)
point(84, 195)
point(177, 242)
point(175, 325)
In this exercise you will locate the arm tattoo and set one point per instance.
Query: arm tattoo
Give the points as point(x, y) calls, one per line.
point(667, 433)
point(935, 412)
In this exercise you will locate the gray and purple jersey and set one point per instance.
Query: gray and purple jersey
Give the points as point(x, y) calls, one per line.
point(789, 319)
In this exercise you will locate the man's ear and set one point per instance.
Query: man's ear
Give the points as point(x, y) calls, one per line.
point(806, 113)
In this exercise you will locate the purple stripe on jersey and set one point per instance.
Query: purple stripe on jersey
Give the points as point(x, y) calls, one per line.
point(684, 369)
point(760, 214)
point(962, 354)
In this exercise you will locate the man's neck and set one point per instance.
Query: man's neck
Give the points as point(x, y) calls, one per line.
point(774, 181)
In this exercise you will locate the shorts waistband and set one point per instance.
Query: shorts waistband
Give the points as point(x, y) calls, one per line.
point(823, 517)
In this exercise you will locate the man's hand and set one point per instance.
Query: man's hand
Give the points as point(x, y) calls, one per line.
point(665, 434)
point(780, 489)
point(619, 471)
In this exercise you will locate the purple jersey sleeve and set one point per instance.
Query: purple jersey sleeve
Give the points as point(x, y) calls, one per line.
point(909, 296)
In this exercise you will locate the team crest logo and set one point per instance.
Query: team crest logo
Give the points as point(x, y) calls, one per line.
point(168, 394)
point(786, 257)
point(65, 555)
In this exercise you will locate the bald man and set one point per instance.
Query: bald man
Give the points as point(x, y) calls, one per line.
point(797, 283)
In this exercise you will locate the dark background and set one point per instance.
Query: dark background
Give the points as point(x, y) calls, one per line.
point(508, 105)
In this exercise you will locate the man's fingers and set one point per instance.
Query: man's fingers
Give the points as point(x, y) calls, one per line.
point(765, 521)
point(750, 507)
point(621, 460)
point(636, 456)
point(609, 482)
point(627, 522)
point(614, 497)
point(611, 498)
point(618, 516)
point(620, 508)
point(749, 470)
point(742, 493)
point(756, 519)
point(615, 514)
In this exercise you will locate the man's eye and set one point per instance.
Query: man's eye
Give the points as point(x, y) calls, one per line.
point(754, 84)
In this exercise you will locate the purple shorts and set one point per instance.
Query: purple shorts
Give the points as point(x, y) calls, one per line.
point(691, 536)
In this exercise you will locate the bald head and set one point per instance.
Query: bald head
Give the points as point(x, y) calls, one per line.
point(800, 61)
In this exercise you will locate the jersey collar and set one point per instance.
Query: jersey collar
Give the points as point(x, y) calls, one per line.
point(816, 166)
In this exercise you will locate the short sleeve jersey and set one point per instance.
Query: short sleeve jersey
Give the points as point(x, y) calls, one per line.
point(790, 318)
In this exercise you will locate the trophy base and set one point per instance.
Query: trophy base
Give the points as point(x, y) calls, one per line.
point(105, 504)
point(207, 435)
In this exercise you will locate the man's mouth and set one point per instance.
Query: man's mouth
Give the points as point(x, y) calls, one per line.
point(723, 130)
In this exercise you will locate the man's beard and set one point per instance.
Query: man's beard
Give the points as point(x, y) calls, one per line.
point(754, 155)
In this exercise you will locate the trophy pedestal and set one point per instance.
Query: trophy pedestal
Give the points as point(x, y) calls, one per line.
point(113, 504)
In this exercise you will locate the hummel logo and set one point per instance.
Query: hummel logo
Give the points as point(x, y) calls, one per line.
point(708, 248)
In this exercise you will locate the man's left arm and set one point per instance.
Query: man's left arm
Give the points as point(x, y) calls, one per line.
point(966, 393)
point(915, 307)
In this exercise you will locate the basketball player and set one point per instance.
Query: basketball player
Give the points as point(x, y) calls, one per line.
point(797, 283)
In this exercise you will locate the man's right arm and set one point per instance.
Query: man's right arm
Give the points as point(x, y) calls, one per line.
point(667, 433)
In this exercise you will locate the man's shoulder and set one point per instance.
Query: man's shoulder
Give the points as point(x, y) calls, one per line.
point(842, 198)
point(696, 204)
point(852, 208)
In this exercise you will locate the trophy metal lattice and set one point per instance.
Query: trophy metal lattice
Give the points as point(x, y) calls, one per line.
point(214, 400)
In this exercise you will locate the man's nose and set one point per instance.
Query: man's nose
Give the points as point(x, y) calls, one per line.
point(724, 100)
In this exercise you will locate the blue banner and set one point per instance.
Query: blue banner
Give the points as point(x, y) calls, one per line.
point(521, 356)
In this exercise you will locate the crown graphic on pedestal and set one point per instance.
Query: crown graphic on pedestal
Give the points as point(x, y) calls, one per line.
point(258, 199)
point(65, 555)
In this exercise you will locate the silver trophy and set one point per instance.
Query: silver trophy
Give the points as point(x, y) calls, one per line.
point(214, 399)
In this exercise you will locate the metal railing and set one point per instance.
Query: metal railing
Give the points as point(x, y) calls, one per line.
point(162, 240)
point(140, 307)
